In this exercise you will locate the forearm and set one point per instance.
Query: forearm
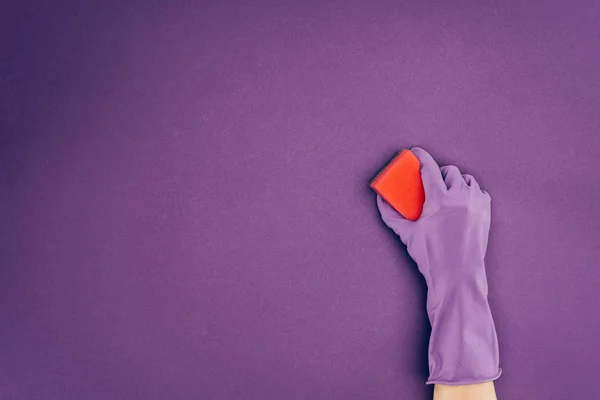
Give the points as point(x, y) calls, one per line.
point(480, 391)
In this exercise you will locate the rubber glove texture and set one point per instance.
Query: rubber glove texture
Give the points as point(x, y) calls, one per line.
point(448, 243)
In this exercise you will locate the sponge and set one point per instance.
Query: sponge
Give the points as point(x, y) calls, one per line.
point(400, 185)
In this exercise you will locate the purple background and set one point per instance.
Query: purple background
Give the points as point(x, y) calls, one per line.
point(185, 205)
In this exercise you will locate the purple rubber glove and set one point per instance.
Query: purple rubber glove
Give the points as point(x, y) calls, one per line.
point(448, 243)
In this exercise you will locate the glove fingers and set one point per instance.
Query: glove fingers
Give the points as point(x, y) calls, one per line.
point(433, 182)
point(391, 217)
point(487, 195)
point(452, 176)
point(470, 181)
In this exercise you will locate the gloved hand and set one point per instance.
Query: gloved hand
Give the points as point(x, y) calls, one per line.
point(448, 243)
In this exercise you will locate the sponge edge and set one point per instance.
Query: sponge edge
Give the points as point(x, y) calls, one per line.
point(400, 185)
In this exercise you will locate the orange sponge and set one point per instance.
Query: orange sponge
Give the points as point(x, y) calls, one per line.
point(400, 185)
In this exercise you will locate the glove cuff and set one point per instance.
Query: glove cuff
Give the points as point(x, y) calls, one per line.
point(463, 348)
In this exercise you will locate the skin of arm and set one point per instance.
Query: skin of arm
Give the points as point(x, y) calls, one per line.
point(480, 391)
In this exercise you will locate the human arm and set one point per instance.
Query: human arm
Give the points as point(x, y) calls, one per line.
point(448, 243)
point(478, 391)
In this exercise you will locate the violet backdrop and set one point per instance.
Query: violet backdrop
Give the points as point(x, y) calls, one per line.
point(185, 205)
